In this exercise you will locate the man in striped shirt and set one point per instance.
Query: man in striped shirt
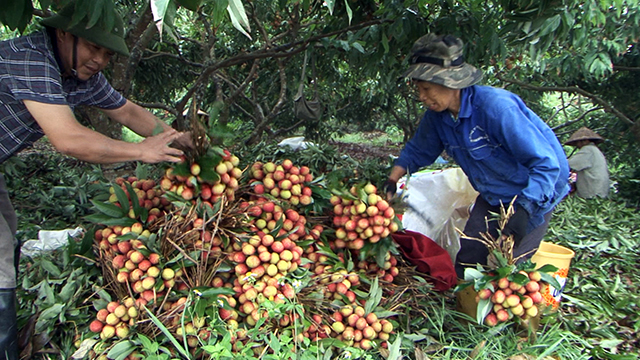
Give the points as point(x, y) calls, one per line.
point(43, 77)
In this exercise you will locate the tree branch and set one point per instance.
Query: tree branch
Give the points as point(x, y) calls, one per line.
point(282, 51)
point(286, 130)
point(582, 116)
point(155, 54)
point(158, 106)
point(625, 68)
point(575, 90)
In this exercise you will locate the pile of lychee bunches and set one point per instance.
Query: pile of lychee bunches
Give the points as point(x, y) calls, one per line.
point(512, 299)
point(355, 327)
point(271, 252)
point(266, 257)
point(135, 266)
point(115, 319)
point(369, 219)
point(260, 262)
point(192, 186)
point(282, 181)
point(355, 221)
point(149, 196)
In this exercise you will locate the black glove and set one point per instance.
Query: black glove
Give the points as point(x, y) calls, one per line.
point(517, 225)
point(390, 187)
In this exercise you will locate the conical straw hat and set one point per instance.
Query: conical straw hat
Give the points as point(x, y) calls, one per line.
point(584, 133)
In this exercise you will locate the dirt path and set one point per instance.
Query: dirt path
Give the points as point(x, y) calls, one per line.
point(362, 152)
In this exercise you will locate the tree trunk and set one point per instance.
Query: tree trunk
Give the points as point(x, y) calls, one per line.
point(123, 68)
point(99, 122)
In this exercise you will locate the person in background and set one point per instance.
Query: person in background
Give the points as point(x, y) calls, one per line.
point(503, 147)
point(43, 76)
point(589, 164)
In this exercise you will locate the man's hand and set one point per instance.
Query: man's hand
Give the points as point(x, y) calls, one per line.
point(156, 148)
point(390, 188)
point(184, 141)
point(517, 225)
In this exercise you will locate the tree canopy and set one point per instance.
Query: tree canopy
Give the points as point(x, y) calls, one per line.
point(241, 61)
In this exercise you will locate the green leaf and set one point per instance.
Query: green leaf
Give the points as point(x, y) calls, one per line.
point(502, 261)
point(147, 344)
point(46, 292)
point(87, 243)
point(394, 350)
point(239, 17)
point(95, 13)
point(108, 209)
point(349, 11)
point(109, 221)
point(462, 286)
point(358, 47)
point(123, 200)
point(16, 14)
point(519, 278)
point(167, 333)
point(137, 209)
point(610, 343)
point(182, 169)
point(144, 214)
point(49, 314)
point(547, 269)
point(208, 165)
point(552, 281)
point(375, 295)
point(128, 236)
point(330, 5)
point(550, 25)
point(274, 343)
point(159, 11)
point(483, 309)
point(49, 267)
point(68, 290)
point(121, 350)
point(472, 274)
point(385, 42)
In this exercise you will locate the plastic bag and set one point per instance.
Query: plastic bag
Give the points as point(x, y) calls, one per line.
point(437, 203)
point(49, 240)
point(295, 143)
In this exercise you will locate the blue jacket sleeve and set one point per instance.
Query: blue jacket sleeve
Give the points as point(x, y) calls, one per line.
point(424, 148)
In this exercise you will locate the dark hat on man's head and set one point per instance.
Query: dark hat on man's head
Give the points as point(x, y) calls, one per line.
point(438, 59)
point(110, 39)
point(584, 133)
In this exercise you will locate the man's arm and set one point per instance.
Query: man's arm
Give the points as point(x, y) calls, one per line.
point(71, 138)
point(143, 123)
point(390, 187)
point(396, 173)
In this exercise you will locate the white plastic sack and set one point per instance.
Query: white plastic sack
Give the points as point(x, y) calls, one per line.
point(438, 202)
point(49, 240)
point(295, 143)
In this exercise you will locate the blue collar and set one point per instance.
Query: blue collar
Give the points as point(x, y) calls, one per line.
point(466, 109)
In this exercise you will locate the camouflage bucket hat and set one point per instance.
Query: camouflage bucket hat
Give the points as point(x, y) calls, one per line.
point(584, 133)
point(112, 40)
point(438, 59)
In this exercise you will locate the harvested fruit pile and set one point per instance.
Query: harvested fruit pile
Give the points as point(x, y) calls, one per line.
point(210, 252)
point(512, 298)
point(510, 290)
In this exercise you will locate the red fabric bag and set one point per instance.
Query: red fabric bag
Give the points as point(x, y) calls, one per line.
point(428, 257)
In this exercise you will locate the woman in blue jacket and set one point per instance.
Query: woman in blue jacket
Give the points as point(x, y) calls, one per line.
point(504, 148)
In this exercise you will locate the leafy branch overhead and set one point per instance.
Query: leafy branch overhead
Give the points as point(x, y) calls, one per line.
point(232, 53)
